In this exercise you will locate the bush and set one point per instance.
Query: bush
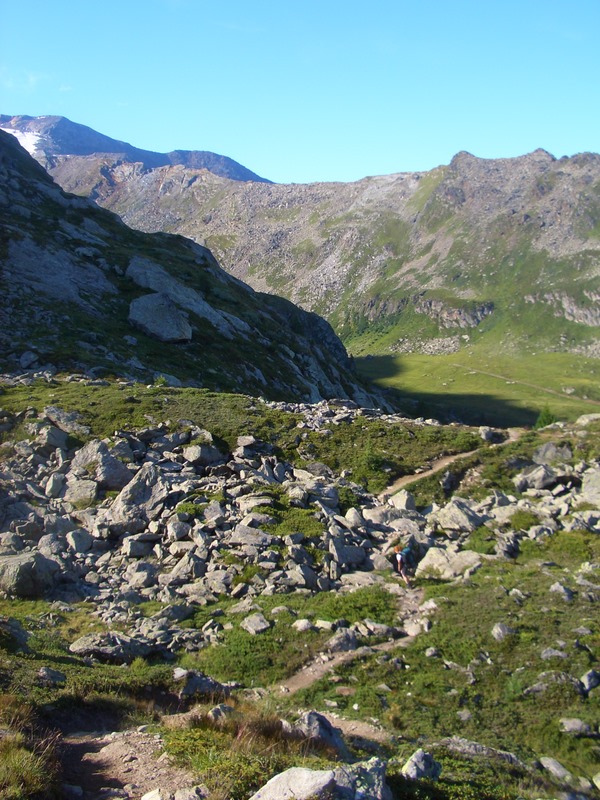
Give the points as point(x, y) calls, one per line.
point(546, 417)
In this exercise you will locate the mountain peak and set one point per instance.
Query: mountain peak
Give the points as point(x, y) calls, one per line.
point(49, 138)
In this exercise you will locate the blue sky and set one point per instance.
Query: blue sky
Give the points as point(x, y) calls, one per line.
point(313, 90)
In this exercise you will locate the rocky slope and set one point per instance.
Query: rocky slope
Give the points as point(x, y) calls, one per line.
point(513, 243)
point(163, 515)
point(80, 288)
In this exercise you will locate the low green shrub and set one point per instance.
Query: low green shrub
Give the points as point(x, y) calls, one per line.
point(482, 540)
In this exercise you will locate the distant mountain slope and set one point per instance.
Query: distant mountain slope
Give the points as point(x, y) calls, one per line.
point(50, 138)
point(79, 289)
point(502, 252)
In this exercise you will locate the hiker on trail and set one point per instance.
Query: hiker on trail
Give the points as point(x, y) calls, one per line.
point(403, 562)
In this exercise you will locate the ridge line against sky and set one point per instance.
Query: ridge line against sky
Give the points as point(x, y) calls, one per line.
point(322, 90)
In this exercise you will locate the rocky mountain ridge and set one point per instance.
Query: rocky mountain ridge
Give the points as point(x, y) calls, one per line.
point(51, 140)
point(79, 287)
point(411, 253)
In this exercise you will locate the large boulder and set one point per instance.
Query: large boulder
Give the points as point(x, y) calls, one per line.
point(590, 487)
point(458, 515)
point(197, 684)
point(298, 783)
point(27, 575)
point(139, 502)
point(255, 624)
point(115, 648)
point(318, 729)
point(422, 765)
point(159, 317)
point(363, 780)
point(95, 460)
point(448, 565)
point(536, 477)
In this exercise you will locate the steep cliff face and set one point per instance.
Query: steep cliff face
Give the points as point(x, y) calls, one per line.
point(412, 252)
point(80, 289)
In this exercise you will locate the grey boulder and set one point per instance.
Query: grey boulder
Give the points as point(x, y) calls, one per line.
point(422, 765)
point(27, 575)
point(158, 316)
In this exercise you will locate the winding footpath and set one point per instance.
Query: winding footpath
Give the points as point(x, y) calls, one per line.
point(438, 465)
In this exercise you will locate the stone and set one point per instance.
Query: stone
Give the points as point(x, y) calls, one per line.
point(158, 316)
point(51, 438)
point(51, 677)
point(550, 453)
point(342, 641)
point(27, 575)
point(590, 680)
point(157, 794)
point(446, 565)
point(255, 624)
point(552, 652)
point(95, 460)
point(556, 769)
point(318, 728)
point(79, 540)
point(474, 749)
point(458, 515)
point(298, 783)
point(422, 765)
point(55, 485)
point(563, 591)
point(198, 684)
point(253, 537)
point(203, 455)
point(486, 434)
point(362, 781)
point(590, 487)
point(303, 625)
point(403, 500)
point(350, 555)
point(575, 726)
point(139, 502)
point(500, 631)
point(116, 648)
point(27, 359)
point(193, 793)
point(69, 421)
point(11, 631)
point(136, 547)
point(140, 574)
point(535, 477)
point(81, 493)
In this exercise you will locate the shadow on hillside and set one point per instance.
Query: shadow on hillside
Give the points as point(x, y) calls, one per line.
point(468, 408)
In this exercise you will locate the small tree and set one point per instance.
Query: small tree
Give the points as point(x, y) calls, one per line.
point(546, 417)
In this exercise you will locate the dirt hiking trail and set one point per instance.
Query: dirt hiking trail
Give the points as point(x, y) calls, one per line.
point(439, 464)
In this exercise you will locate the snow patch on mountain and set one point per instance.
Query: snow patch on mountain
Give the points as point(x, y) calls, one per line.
point(27, 139)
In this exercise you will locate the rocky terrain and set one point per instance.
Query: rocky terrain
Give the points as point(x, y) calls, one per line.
point(513, 243)
point(197, 597)
point(80, 289)
point(164, 515)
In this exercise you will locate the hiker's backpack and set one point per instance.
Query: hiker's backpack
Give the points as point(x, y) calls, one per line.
point(407, 556)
